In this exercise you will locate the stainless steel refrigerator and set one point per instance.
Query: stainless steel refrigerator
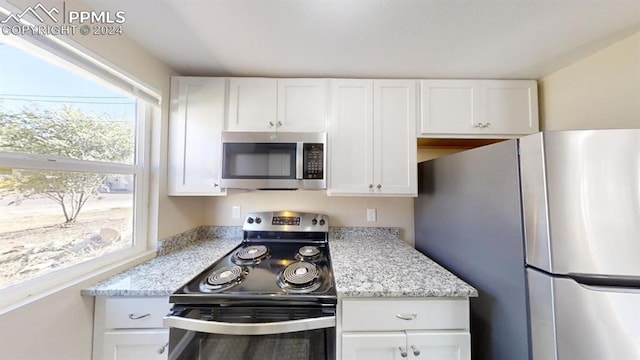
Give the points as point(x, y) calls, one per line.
point(547, 228)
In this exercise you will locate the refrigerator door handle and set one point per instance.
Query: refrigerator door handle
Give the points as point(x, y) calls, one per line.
point(606, 281)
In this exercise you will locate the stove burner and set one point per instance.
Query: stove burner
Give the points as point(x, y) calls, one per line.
point(300, 276)
point(251, 254)
point(308, 251)
point(224, 278)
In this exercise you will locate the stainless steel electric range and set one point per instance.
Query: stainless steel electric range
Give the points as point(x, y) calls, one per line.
point(272, 297)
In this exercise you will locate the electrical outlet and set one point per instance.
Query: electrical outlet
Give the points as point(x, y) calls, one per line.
point(371, 215)
point(235, 212)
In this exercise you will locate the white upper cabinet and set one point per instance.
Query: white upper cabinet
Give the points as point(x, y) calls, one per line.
point(195, 123)
point(372, 140)
point(260, 104)
point(509, 106)
point(350, 140)
point(252, 104)
point(478, 108)
point(449, 106)
point(395, 142)
point(302, 105)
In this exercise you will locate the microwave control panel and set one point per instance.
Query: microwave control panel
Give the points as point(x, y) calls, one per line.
point(313, 161)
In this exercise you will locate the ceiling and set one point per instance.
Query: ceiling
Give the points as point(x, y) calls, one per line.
point(375, 38)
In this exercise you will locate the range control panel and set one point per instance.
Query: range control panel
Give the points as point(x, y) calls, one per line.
point(286, 221)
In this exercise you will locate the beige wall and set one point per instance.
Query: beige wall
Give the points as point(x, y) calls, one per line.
point(174, 214)
point(342, 211)
point(597, 92)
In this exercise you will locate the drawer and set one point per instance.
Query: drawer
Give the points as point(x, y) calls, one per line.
point(135, 313)
point(386, 314)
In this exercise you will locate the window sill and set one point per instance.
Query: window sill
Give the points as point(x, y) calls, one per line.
point(89, 278)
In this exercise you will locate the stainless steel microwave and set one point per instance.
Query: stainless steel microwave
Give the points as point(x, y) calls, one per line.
point(270, 160)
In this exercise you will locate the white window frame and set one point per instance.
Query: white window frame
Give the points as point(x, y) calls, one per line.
point(72, 57)
point(31, 287)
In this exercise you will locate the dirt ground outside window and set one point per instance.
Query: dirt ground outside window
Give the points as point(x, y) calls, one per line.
point(33, 241)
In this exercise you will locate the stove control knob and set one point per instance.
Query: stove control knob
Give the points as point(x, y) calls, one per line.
point(314, 222)
point(322, 222)
point(250, 220)
point(258, 220)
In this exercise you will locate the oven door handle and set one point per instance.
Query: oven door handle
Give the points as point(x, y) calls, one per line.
point(280, 327)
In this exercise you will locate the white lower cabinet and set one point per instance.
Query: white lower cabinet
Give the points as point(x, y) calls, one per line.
point(445, 345)
point(130, 328)
point(403, 328)
point(373, 345)
point(441, 345)
point(136, 344)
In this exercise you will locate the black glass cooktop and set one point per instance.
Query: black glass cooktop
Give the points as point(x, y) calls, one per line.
point(273, 272)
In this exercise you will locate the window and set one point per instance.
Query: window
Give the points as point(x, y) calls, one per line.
point(72, 170)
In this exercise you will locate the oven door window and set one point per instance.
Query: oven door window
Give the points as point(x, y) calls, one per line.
point(196, 344)
point(303, 345)
point(259, 161)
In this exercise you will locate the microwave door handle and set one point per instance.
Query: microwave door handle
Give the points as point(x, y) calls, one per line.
point(280, 327)
point(299, 159)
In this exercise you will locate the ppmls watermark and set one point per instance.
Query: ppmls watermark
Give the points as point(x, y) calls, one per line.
point(53, 21)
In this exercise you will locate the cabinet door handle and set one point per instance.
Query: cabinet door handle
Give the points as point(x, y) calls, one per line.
point(279, 123)
point(162, 349)
point(403, 352)
point(378, 186)
point(133, 316)
point(370, 186)
point(487, 125)
point(271, 124)
point(416, 352)
point(406, 316)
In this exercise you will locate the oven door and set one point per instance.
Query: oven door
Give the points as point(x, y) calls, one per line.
point(255, 333)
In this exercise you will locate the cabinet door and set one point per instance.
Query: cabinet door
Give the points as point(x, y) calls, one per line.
point(302, 105)
point(373, 346)
point(350, 140)
point(449, 107)
point(136, 345)
point(509, 106)
point(197, 116)
point(395, 148)
point(252, 104)
point(439, 345)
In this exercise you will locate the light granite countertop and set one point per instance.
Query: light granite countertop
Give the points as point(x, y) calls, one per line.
point(367, 262)
point(385, 266)
point(163, 275)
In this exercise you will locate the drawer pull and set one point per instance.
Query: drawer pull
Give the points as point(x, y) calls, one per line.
point(136, 317)
point(162, 349)
point(406, 316)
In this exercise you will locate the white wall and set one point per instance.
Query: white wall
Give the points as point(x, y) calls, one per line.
point(598, 92)
point(59, 326)
point(342, 211)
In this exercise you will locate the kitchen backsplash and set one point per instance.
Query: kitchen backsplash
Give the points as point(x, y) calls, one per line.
point(203, 233)
point(190, 237)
